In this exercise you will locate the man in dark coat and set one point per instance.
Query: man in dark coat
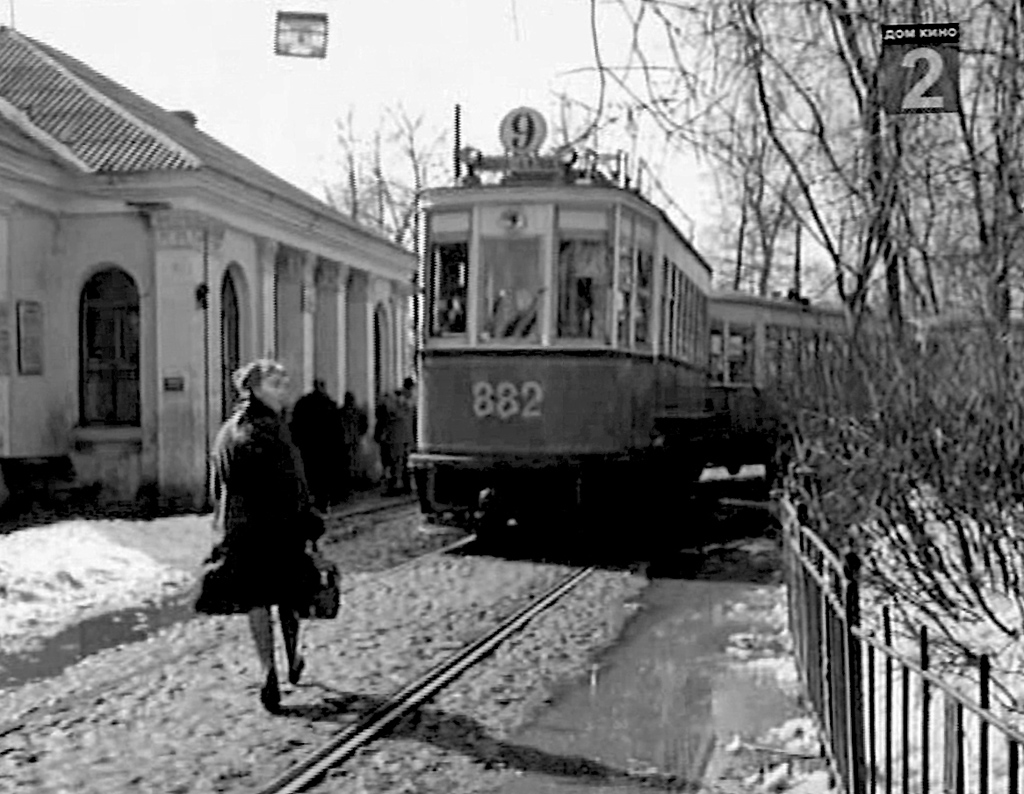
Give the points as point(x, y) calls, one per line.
point(350, 419)
point(315, 430)
point(406, 433)
point(264, 517)
point(385, 434)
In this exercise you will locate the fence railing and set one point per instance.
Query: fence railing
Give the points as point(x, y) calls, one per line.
point(888, 722)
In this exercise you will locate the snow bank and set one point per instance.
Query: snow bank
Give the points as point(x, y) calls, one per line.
point(54, 576)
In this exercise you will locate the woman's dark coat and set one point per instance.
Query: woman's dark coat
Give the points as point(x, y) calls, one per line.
point(262, 510)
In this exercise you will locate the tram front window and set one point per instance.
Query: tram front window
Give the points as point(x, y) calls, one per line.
point(584, 284)
point(512, 290)
point(449, 271)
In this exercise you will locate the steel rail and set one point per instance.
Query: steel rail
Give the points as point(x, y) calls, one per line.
point(79, 697)
point(351, 739)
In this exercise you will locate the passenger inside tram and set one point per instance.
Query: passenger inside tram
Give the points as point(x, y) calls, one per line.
point(584, 279)
point(511, 298)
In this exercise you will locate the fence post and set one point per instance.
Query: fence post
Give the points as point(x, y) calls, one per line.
point(854, 684)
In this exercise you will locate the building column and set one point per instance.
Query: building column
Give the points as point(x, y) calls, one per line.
point(359, 326)
point(291, 331)
point(326, 336)
point(342, 349)
point(7, 340)
point(266, 253)
point(186, 245)
point(309, 311)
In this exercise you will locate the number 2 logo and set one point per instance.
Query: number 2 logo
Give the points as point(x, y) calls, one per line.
point(919, 68)
point(915, 98)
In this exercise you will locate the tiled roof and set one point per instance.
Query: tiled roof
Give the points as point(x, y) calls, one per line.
point(80, 120)
point(102, 127)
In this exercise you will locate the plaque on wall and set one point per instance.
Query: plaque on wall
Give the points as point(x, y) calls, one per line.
point(30, 338)
point(5, 339)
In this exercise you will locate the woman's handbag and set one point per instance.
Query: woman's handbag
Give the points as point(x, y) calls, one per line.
point(324, 599)
point(218, 588)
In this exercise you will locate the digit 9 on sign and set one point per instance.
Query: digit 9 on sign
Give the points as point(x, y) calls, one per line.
point(506, 400)
point(523, 131)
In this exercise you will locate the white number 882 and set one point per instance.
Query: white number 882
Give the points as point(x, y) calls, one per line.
point(507, 400)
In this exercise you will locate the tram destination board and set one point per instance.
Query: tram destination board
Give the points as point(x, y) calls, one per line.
point(920, 68)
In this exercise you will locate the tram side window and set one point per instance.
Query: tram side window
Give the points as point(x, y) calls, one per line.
point(677, 342)
point(716, 357)
point(683, 320)
point(666, 312)
point(672, 343)
point(791, 354)
point(773, 353)
point(584, 287)
point(702, 323)
point(688, 326)
point(624, 292)
point(449, 283)
point(741, 354)
point(645, 282)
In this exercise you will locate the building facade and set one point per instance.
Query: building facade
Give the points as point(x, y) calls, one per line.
point(141, 262)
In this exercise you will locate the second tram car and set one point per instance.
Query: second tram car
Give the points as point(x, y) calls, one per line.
point(759, 347)
point(564, 314)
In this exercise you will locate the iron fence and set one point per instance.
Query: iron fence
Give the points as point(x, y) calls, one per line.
point(888, 722)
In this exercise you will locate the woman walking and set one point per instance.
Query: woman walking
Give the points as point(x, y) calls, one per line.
point(264, 516)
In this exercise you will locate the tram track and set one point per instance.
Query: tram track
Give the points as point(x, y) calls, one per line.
point(84, 697)
point(347, 742)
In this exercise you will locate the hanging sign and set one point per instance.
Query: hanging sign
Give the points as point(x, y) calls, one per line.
point(301, 35)
point(919, 71)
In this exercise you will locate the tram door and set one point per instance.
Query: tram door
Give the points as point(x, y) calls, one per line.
point(230, 344)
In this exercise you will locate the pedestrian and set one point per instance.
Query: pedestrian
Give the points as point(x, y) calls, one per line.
point(264, 518)
point(386, 434)
point(314, 426)
point(408, 433)
point(350, 418)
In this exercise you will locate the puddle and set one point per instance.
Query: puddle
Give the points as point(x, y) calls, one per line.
point(653, 709)
point(91, 636)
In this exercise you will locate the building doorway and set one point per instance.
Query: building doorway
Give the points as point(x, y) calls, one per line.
point(230, 343)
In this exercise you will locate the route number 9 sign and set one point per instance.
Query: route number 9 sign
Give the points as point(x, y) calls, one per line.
point(523, 131)
point(920, 68)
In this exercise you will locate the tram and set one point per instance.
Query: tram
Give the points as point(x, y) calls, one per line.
point(565, 327)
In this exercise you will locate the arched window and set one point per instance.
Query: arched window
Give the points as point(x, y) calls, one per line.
point(109, 374)
point(231, 355)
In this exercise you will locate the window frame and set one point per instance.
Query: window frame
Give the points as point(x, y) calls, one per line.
point(110, 370)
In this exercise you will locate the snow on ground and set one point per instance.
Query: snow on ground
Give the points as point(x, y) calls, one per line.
point(749, 472)
point(786, 757)
point(54, 576)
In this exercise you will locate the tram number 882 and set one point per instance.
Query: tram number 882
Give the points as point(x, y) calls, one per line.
point(507, 400)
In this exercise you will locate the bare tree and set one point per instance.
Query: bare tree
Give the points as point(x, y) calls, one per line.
point(383, 177)
point(904, 208)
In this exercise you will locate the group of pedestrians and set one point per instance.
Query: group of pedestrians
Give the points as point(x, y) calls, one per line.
point(328, 437)
point(271, 479)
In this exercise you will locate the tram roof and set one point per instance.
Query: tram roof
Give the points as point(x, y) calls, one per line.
point(572, 191)
point(772, 302)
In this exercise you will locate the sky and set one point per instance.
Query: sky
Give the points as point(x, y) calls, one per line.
point(215, 58)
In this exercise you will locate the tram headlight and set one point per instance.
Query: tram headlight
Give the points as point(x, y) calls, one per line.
point(471, 156)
